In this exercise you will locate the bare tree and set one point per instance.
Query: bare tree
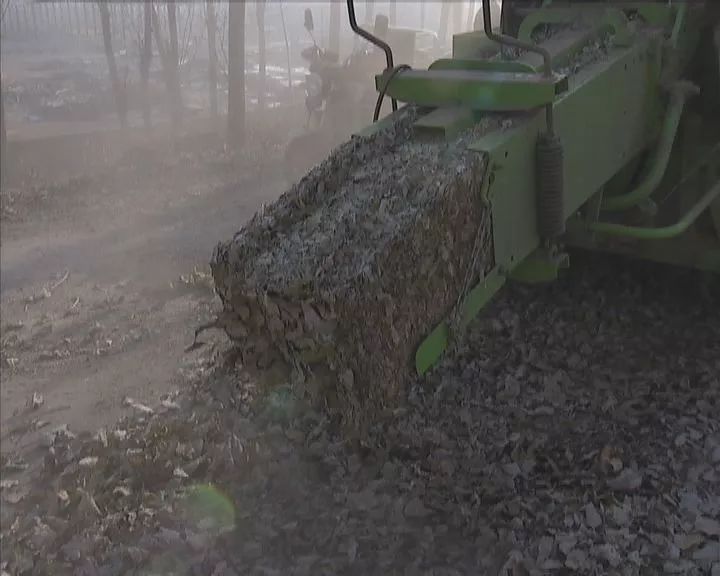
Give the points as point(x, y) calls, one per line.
point(3, 130)
point(117, 87)
point(287, 45)
point(174, 62)
point(169, 63)
point(335, 28)
point(393, 13)
point(262, 56)
point(3, 142)
point(145, 59)
point(211, 21)
point(188, 45)
point(236, 73)
point(221, 30)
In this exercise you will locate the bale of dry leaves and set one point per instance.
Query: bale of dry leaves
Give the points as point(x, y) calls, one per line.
point(337, 282)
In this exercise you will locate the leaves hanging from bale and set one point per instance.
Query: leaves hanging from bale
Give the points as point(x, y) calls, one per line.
point(336, 283)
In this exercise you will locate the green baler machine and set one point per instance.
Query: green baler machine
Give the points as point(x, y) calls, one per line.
point(610, 135)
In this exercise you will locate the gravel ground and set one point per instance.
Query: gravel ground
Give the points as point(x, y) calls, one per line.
point(575, 430)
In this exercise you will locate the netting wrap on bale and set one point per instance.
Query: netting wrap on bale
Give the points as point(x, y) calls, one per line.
point(337, 282)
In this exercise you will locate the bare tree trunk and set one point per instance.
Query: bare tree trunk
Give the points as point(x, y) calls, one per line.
point(262, 64)
point(145, 59)
point(236, 73)
point(212, 56)
point(287, 46)
point(170, 70)
point(335, 10)
point(393, 12)
point(117, 87)
point(3, 142)
point(174, 60)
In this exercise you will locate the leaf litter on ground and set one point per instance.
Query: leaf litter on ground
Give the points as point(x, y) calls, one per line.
point(507, 459)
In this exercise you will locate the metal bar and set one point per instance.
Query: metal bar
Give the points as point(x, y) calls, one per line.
point(484, 65)
point(373, 40)
point(510, 41)
point(661, 233)
point(678, 97)
point(680, 19)
point(476, 89)
point(437, 341)
point(368, 36)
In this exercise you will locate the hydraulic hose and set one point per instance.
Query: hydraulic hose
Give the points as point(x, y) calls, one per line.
point(665, 232)
point(679, 95)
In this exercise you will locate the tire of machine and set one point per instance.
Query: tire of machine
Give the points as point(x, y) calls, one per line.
point(550, 179)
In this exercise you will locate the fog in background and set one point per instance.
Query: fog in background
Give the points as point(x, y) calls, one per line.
point(136, 136)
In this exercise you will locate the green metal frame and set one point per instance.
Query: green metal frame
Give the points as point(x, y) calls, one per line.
point(489, 91)
point(608, 116)
point(622, 92)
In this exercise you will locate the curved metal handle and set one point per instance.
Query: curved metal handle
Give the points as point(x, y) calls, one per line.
point(372, 39)
point(503, 39)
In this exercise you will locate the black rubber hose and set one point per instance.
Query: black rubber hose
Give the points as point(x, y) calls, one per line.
point(372, 39)
point(383, 90)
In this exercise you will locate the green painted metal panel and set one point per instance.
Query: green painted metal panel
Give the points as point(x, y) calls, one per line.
point(604, 120)
point(475, 89)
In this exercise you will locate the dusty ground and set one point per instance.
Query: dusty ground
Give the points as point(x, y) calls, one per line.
point(575, 431)
point(94, 308)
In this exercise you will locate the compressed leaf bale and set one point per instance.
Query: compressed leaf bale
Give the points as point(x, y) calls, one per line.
point(340, 279)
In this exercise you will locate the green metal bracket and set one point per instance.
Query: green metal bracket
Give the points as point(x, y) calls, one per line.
point(435, 344)
point(474, 89)
point(484, 65)
point(540, 267)
point(446, 122)
point(607, 117)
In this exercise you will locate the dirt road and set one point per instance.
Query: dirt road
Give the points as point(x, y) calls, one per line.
point(94, 306)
